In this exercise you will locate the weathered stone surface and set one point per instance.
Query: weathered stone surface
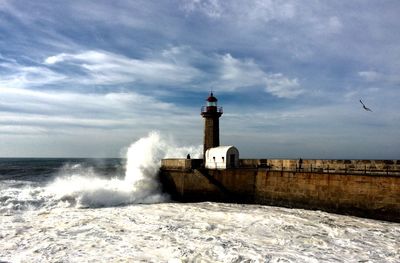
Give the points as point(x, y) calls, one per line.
point(357, 194)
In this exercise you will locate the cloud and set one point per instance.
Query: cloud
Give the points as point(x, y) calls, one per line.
point(17, 75)
point(112, 100)
point(269, 10)
point(55, 59)
point(105, 68)
point(20, 129)
point(51, 109)
point(178, 66)
point(370, 76)
point(283, 87)
point(335, 25)
point(235, 74)
point(211, 8)
point(67, 123)
point(249, 10)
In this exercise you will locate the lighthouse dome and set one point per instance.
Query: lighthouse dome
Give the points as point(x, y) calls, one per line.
point(211, 98)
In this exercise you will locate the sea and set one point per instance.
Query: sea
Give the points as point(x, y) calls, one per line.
point(114, 210)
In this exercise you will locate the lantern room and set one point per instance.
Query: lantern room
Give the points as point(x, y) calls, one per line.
point(212, 101)
point(211, 106)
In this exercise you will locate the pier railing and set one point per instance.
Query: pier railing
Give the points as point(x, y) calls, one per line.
point(369, 167)
point(205, 109)
point(356, 167)
point(327, 169)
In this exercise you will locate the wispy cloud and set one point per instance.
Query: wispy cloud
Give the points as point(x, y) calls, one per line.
point(17, 75)
point(101, 67)
point(370, 76)
point(82, 124)
point(112, 100)
point(211, 8)
point(175, 66)
point(235, 74)
point(53, 109)
point(250, 10)
point(282, 86)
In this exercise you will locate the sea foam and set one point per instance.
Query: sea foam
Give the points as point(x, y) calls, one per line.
point(82, 187)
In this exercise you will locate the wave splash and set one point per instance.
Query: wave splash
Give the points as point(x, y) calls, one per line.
point(83, 188)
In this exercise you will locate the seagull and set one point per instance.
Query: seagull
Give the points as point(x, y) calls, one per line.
point(365, 108)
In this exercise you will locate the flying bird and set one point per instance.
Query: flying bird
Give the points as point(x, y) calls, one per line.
point(365, 108)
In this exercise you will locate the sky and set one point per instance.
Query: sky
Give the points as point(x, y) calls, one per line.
point(88, 78)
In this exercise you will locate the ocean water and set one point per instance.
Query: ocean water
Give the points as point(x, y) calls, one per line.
point(114, 210)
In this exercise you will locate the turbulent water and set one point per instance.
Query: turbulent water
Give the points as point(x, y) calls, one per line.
point(90, 210)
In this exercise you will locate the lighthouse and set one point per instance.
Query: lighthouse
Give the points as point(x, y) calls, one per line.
point(211, 113)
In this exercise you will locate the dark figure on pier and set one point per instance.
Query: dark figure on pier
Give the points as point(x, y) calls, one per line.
point(300, 163)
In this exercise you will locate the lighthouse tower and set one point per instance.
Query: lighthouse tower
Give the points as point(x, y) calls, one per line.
point(211, 113)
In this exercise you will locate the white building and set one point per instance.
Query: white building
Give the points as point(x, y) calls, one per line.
point(222, 157)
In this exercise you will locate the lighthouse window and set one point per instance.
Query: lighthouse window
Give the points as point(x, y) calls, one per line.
point(211, 103)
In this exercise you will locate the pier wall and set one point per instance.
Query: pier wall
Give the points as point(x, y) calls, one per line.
point(370, 189)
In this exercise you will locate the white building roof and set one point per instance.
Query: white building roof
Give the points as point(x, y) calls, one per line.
point(220, 149)
point(222, 157)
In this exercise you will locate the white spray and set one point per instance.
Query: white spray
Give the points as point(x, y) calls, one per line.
point(84, 189)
